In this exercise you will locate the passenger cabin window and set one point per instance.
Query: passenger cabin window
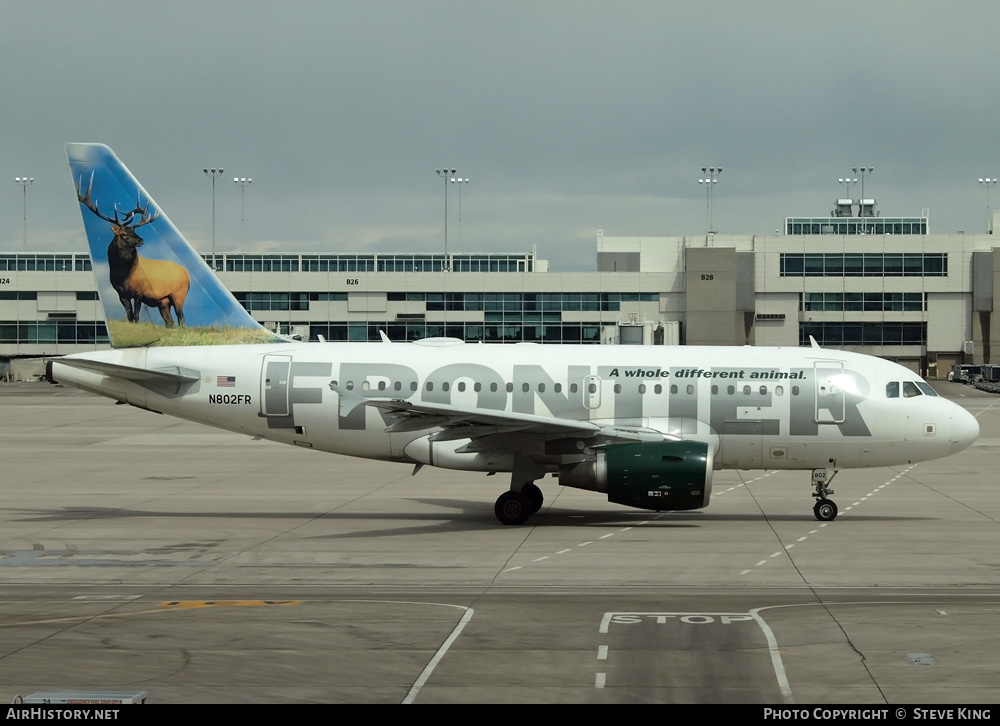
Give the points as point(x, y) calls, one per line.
point(910, 389)
point(892, 389)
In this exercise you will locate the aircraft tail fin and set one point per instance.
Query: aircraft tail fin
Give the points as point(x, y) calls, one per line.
point(154, 287)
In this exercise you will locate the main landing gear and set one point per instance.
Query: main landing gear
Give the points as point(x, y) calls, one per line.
point(524, 497)
point(825, 509)
point(515, 507)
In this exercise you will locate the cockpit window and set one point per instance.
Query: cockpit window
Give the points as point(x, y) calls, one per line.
point(910, 389)
point(925, 387)
point(892, 389)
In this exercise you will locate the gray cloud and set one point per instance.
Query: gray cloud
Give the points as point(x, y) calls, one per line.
point(569, 117)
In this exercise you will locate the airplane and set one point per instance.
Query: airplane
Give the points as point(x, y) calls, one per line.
point(647, 426)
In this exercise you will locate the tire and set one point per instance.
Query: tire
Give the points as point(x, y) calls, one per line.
point(825, 510)
point(512, 508)
point(534, 495)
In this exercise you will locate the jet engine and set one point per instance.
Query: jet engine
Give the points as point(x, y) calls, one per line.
point(660, 475)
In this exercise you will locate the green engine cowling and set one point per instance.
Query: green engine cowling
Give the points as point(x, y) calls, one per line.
point(657, 475)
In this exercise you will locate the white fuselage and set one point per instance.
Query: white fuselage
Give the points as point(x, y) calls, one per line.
point(758, 408)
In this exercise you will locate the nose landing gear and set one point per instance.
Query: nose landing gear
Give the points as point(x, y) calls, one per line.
point(825, 509)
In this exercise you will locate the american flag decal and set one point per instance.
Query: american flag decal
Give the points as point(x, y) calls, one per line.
point(226, 381)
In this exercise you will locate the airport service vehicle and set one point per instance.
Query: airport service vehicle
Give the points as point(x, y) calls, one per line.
point(965, 373)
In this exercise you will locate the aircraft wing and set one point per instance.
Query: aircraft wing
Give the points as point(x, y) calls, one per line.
point(410, 416)
point(474, 423)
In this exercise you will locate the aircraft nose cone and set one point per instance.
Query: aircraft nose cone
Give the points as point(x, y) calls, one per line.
point(964, 430)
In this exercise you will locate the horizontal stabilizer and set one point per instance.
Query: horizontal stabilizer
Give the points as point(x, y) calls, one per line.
point(173, 375)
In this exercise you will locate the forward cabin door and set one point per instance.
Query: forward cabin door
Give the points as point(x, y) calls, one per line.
point(274, 385)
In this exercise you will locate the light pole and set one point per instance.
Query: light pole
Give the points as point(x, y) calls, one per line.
point(243, 182)
point(25, 181)
point(214, 173)
point(710, 180)
point(460, 182)
point(863, 171)
point(445, 174)
point(848, 183)
point(987, 182)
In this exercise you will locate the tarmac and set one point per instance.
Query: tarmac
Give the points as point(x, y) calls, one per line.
point(143, 553)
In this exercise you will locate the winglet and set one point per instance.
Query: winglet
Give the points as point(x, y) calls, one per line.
point(385, 338)
point(813, 343)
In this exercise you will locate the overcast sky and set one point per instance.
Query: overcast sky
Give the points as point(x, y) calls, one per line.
point(568, 117)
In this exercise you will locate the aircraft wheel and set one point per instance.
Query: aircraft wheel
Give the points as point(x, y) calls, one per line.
point(512, 508)
point(534, 495)
point(825, 510)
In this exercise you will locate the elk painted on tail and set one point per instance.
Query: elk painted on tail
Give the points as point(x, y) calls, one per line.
point(161, 284)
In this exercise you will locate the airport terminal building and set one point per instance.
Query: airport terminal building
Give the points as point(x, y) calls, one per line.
point(854, 280)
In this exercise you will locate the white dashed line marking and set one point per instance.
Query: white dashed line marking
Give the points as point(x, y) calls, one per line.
point(824, 524)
